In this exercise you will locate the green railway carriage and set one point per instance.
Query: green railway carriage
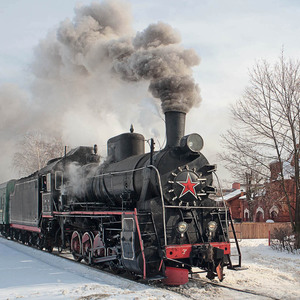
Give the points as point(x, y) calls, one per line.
point(5, 190)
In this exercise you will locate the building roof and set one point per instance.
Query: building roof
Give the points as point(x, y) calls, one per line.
point(231, 195)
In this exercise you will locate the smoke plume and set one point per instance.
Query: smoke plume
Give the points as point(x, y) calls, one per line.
point(100, 39)
point(155, 55)
point(91, 73)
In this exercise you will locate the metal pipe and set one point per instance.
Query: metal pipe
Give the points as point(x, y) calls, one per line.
point(151, 151)
point(175, 127)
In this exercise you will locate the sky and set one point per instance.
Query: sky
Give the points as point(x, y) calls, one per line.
point(228, 36)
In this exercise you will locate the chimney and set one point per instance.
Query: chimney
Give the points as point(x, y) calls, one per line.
point(175, 127)
point(236, 186)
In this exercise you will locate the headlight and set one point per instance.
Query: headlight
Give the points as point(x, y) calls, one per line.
point(192, 142)
point(212, 226)
point(182, 227)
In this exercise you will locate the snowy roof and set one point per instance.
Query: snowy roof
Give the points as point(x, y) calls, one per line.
point(230, 195)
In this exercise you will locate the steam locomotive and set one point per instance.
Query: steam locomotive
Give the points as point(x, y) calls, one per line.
point(149, 214)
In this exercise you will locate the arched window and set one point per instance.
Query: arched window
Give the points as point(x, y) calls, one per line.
point(274, 211)
point(273, 215)
point(260, 215)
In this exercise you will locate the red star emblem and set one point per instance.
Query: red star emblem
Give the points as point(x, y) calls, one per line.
point(188, 186)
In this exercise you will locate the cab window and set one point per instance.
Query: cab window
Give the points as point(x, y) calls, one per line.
point(46, 183)
point(58, 180)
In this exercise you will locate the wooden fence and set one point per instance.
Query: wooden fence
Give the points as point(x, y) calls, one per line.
point(253, 230)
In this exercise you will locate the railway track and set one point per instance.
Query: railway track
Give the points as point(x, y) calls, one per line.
point(195, 283)
point(203, 284)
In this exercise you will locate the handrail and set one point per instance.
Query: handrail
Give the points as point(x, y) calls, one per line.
point(162, 202)
point(224, 203)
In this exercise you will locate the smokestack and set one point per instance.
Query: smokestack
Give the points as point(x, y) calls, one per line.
point(175, 127)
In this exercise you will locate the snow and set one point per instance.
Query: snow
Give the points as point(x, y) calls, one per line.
point(272, 273)
point(230, 195)
point(27, 273)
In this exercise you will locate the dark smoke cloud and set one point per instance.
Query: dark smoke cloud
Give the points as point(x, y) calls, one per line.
point(177, 93)
point(156, 56)
point(91, 73)
point(100, 38)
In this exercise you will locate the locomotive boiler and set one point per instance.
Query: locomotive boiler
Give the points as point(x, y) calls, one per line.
point(149, 214)
point(132, 174)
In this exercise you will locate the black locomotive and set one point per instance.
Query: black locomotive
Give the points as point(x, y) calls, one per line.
point(146, 213)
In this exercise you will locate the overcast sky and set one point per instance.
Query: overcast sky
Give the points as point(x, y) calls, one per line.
point(229, 36)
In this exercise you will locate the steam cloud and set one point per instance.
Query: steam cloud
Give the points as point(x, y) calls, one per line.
point(99, 36)
point(91, 73)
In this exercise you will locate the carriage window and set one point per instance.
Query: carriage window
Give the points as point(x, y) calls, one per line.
point(58, 180)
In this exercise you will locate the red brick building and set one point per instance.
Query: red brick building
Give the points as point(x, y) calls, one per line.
point(269, 202)
point(232, 198)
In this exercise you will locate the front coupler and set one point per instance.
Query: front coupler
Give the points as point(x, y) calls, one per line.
point(208, 258)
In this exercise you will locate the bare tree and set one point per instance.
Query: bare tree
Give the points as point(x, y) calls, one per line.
point(268, 127)
point(35, 150)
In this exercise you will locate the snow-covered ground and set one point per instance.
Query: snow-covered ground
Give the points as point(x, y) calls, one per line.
point(27, 273)
point(268, 273)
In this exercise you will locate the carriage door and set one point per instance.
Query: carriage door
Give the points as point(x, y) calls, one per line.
point(127, 237)
point(46, 195)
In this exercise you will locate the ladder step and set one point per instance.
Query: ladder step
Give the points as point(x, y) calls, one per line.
point(152, 247)
point(153, 261)
point(148, 234)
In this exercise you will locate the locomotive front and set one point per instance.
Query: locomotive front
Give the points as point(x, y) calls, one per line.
point(176, 226)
